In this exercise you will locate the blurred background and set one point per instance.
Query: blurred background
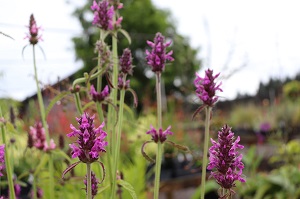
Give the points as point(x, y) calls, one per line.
point(253, 44)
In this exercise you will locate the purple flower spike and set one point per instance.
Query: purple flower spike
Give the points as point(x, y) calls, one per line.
point(126, 62)
point(224, 157)
point(157, 57)
point(33, 36)
point(103, 15)
point(90, 139)
point(160, 135)
point(94, 183)
point(99, 97)
point(206, 88)
point(38, 138)
point(2, 159)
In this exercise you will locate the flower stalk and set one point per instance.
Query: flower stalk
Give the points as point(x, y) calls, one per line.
point(112, 113)
point(205, 150)
point(159, 144)
point(44, 122)
point(118, 137)
point(88, 181)
point(8, 167)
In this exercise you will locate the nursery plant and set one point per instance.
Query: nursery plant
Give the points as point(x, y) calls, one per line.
point(93, 165)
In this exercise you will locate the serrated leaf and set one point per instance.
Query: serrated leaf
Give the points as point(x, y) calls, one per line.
point(128, 187)
point(56, 99)
point(125, 33)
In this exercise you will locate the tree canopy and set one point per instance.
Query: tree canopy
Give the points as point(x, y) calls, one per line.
point(142, 20)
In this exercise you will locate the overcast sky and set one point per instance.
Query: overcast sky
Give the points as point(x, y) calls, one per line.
point(258, 37)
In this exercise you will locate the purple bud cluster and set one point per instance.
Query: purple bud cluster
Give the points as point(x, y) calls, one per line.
point(2, 159)
point(157, 57)
point(160, 135)
point(206, 88)
point(103, 15)
point(33, 36)
point(37, 138)
point(94, 184)
point(126, 62)
point(123, 84)
point(99, 97)
point(225, 158)
point(104, 52)
point(90, 139)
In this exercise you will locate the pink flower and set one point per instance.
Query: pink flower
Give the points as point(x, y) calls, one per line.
point(206, 88)
point(103, 15)
point(2, 159)
point(224, 157)
point(157, 57)
point(90, 139)
point(37, 138)
point(99, 97)
point(160, 135)
point(33, 36)
point(126, 62)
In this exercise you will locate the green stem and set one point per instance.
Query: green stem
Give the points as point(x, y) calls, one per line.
point(88, 181)
point(99, 78)
point(205, 150)
point(157, 169)
point(111, 112)
point(34, 187)
point(158, 99)
point(99, 81)
point(40, 99)
point(44, 122)
point(9, 169)
point(159, 144)
point(78, 103)
point(119, 131)
point(51, 176)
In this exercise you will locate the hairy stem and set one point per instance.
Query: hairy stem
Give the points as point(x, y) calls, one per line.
point(44, 122)
point(8, 167)
point(205, 150)
point(40, 99)
point(159, 144)
point(112, 114)
point(88, 181)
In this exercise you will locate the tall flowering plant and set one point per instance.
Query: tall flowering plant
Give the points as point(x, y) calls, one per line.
point(206, 89)
point(226, 161)
point(115, 69)
point(40, 135)
point(88, 147)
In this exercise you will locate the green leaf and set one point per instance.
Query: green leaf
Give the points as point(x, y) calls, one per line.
point(61, 153)
point(101, 189)
point(10, 127)
point(260, 192)
point(128, 187)
point(42, 164)
point(125, 33)
point(88, 105)
point(55, 99)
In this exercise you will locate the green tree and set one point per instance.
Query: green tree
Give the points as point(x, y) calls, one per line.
point(142, 20)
